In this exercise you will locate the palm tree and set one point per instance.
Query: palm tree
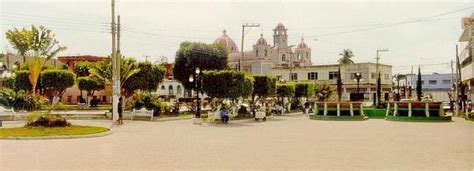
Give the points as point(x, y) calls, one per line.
point(346, 56)
point(102, 71)
point(323, 91)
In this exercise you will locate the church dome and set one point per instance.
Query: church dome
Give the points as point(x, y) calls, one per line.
point(227, 42)
point(302, 44)
point(261, 40)
point(280, 26)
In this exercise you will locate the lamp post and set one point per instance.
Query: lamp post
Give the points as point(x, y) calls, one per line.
point(358, 78)
point(197, 79)
point(397, 95)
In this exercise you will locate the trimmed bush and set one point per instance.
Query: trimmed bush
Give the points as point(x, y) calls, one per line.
point(227, 84)
point(57, 80)
point(46, 120)
point(286, 90)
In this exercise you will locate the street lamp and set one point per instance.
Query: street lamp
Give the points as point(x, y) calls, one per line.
point(358, 78)
point(197, 79)
point(397, 95)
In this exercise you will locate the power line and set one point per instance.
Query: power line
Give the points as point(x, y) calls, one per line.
point(425, 19)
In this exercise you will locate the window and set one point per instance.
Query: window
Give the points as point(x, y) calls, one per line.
point(333, 75)
point(170, 90)
point(178, 89)
point(386, 76)
point(432, 82)
point(312, 76)
point(104, 99)
point(256, 53)
point(163, 87)
point(69, 99)
point(422, 82)
point(373, 75)
point(265, 52)
point(294, 77)
point(283, 57)
point(446, 81)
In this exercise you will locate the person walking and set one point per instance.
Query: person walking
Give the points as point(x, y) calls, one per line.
point(120, 111)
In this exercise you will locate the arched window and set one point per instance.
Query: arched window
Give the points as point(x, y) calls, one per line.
point(163, 87)
point(266, 53)
point(232, 49)
point(256, 52)
point(283, 57)
point(178, 89)
point(170, 90)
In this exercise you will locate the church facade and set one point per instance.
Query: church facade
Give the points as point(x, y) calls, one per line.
point(265, 56)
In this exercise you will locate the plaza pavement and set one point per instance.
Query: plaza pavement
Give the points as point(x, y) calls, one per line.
point(282, 143)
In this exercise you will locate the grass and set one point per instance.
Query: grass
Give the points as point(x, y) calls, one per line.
point(50, 131)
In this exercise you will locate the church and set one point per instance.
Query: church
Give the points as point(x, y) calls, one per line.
point(265, 56)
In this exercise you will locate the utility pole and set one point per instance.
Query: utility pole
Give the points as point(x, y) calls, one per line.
point(456, 85)
point(378, 58)
point(114, 65)
point(242, 43)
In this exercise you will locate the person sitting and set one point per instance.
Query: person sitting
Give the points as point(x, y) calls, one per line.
point(224, 115)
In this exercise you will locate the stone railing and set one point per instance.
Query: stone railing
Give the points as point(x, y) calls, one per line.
point(428, 109)
point(338, 109)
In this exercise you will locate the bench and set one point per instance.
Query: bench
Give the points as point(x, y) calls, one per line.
point(142, 112)
point(260, 115)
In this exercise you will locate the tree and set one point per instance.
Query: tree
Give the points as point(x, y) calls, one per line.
point(22, 81)
point(102, 71)
point(90, 85)
point(20, 40)
point(285, 90)
point(147, 79)
point(226, 84)
point(81, 69)
point(323, 91)
point(304, 89)
point(419, 87)
point(379, 90)
point(263, 86)
point(37, 41)
point(193, 55)
point(34, 67)
point(346, 56)
point(339, 85)
point(56, 82)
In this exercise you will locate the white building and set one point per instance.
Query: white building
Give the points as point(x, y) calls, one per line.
point(465, 56)
point(328, 74)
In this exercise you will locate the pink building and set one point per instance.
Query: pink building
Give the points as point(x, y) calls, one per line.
point(73, 94)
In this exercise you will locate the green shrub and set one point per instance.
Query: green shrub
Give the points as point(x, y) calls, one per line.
point(19, 100)
point(60, 106)
point(148, 101)
point(46, 120)
point(57, 80)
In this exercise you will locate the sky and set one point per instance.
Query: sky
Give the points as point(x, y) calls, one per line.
point(416, 33)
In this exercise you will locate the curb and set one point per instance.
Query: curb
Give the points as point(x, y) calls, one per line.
point(101, 134)
point(418, 119)
point(339, 118)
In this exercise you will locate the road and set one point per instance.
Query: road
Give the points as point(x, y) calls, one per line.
point(282, 143)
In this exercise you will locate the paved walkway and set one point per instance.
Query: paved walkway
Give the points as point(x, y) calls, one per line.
point(283, 143)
